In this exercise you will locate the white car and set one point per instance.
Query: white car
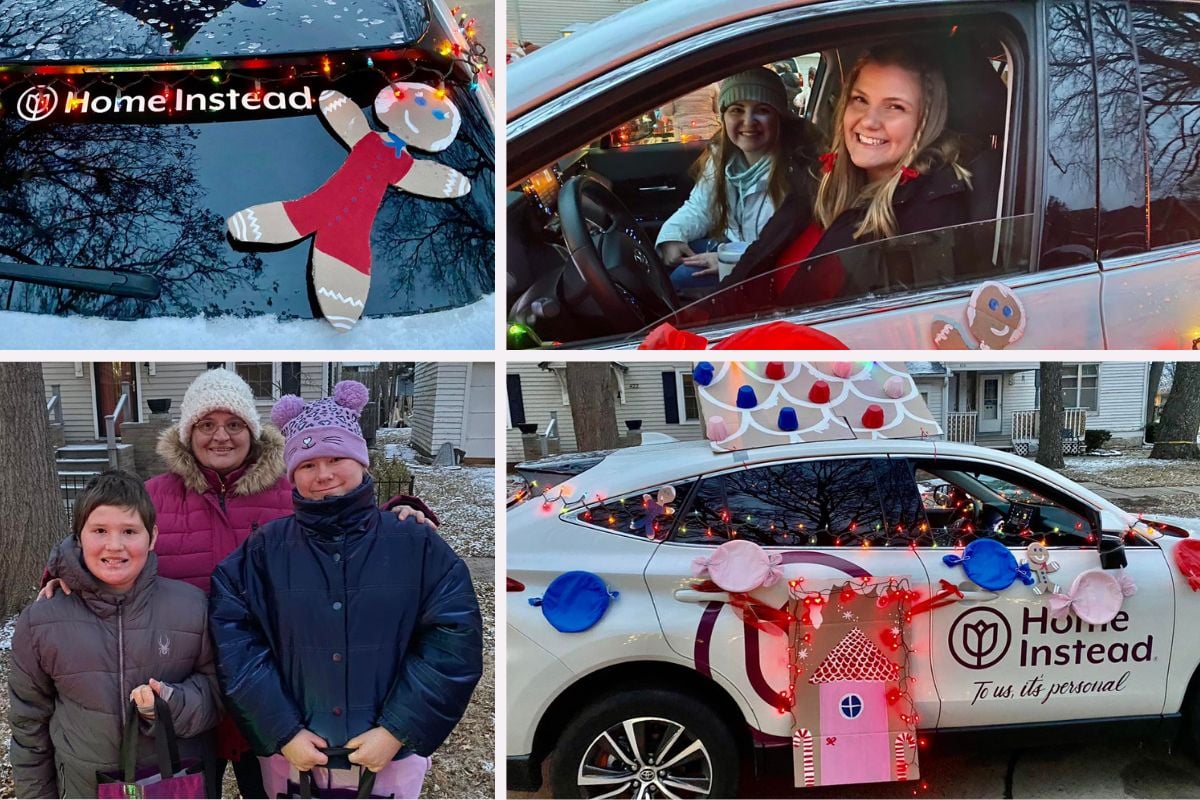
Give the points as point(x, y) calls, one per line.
point(670, 691)
point(1075, 126)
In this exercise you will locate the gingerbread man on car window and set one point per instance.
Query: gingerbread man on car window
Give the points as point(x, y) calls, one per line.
point(995, 318)
point(341, 213)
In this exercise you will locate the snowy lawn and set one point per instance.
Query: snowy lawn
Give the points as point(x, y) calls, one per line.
point(1133, 471)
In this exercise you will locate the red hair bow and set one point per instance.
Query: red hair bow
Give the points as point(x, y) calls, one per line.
point(908, 174)
point(828, 160)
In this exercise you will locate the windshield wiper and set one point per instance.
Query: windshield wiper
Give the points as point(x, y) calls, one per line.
point(116, 282)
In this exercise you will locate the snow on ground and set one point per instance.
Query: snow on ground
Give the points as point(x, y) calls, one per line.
point(6, 633)
point(463, 497)
point(1133, 471)
point(471, 327)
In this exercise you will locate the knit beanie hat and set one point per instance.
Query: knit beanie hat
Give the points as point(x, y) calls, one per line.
point(217, 390)
point(759, 85)
point(325, 428)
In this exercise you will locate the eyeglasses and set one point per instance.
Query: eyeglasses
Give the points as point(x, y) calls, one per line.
point(232, 427)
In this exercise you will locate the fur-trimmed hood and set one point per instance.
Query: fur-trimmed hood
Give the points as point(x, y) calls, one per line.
point(258, 477)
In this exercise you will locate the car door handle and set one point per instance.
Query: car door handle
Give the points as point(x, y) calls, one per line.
point(693, 596)
point(979, 596)
point(663, 188)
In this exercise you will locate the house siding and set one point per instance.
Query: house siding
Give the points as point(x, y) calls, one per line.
point(542, 21)
point(440, 409)
point(643, 399)
point(170, 379)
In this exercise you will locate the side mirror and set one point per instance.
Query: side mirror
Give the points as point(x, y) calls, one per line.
point(1112, 552)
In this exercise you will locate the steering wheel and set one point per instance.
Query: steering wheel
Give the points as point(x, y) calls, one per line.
point(619, 265)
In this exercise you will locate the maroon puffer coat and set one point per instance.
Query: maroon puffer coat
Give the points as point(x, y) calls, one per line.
point(201, 517)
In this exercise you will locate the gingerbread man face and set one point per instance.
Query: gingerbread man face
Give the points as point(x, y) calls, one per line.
point(415, 113)
point(995, 316)
point(1037, 555)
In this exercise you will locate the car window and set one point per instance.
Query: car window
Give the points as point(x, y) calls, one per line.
point(874, 271)
point(819, 503)
point(964, 501)
point(639, 514)
point(57, 30)
point(1168, 48)
point(111, 188)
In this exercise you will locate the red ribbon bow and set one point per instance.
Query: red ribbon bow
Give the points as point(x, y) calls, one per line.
point(831, 741)
point(908, 174)
point(828, 160)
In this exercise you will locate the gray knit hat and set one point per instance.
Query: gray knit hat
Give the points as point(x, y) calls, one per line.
point(759, 85)
point(218, 390)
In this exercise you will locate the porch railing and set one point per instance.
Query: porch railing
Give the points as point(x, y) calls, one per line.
point(54, 405)
point(961, 426)
point(1025, 428)
point(111, 421)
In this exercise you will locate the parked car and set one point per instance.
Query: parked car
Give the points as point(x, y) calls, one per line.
point(131, 132)
point(669, 677)
point(1079, 133)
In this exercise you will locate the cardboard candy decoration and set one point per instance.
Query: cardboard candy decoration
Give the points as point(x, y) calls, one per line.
point(575, 601)
point(778, 335)
point(740, 566)
point(1187, 560)
point(1095, 596)
point(341, 213)
point(990, 565)
point(995, 318)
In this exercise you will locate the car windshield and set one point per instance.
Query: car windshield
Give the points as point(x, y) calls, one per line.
point(874, 274)
point(137, 172)
point(91, 30)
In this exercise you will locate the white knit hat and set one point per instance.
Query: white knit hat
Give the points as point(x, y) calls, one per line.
point(218, 390)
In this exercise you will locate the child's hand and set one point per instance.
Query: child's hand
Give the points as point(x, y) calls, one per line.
point(706, 261)
point(374, 749)
point(674, 252)
point(302, 753)
point(143, 696)
point(48, 590)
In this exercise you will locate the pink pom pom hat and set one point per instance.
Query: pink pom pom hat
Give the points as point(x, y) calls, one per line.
point(325, 428)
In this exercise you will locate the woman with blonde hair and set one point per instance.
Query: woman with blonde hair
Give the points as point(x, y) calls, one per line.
point(894, 169)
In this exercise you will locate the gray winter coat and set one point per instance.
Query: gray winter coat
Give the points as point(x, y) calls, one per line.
point(77, 657)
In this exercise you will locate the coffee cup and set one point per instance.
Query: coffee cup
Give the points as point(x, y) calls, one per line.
point(728, 254)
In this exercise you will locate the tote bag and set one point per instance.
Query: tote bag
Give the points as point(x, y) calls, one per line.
point(168, 778)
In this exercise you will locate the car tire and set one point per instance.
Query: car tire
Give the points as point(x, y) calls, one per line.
point(586, 761)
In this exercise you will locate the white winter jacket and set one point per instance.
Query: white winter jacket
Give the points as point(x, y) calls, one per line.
point(749, 212)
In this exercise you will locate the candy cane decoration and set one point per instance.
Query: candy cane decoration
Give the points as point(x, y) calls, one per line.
point(803, 738)
point(904, 741)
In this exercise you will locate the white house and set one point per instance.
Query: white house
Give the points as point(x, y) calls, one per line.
point(977, 402)
point(455, 402)
point(546, 21)
point(89, 391)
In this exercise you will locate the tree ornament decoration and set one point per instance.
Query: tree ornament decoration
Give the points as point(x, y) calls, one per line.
point(746, 397)
point(843, 369)
point(341, 213)
point(787, 419)
point(703, 373)
point(818, 392)
point(717, 430)
point(775, 371)
point(895, 387)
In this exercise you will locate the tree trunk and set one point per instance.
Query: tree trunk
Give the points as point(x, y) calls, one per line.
point(1175, 436)
point(592, 392)
point(1156, 372)
point(1051, 416)
point(32, 511)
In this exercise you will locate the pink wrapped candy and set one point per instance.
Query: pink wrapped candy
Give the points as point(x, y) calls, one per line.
point(740, 566)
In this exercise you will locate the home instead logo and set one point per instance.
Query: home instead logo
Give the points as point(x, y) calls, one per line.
point(39, 102)
point(982, 637)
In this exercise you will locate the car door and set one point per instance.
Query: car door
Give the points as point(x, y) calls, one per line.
point(831, 521)
point(1002, 656)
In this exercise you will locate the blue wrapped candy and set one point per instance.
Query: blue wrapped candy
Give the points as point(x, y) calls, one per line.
point(575, 601)
point(990, 565)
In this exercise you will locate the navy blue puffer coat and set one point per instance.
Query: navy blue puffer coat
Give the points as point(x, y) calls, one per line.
point(341, 618)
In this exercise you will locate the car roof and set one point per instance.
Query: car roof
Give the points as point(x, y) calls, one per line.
point(637, 468)
point(646, 27)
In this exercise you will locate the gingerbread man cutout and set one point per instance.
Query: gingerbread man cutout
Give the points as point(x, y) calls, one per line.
point(340, 214)
point(995, 317)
